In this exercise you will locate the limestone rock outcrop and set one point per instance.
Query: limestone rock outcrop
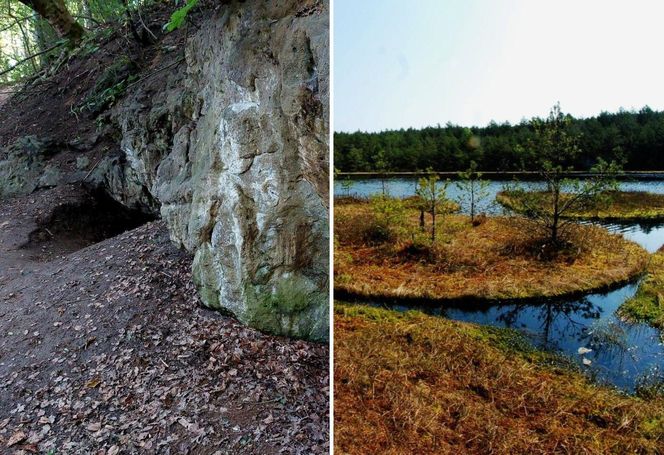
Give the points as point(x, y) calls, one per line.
point(230, 144)
point(24, 167)
point(235, 150)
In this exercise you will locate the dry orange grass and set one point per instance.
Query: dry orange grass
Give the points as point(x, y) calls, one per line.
point(621, 206)
point(496, 260)
point(410, 383)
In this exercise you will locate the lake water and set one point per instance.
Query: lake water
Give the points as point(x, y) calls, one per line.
point(622, 354)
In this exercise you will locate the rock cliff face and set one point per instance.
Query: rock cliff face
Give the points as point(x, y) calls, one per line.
point(230, 144)
point(25, 167)
point(235, 151)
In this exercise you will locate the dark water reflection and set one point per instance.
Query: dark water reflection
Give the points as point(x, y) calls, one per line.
point(621, 353)
point(649, 235)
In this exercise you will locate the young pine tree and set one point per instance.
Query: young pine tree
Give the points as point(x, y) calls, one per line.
point(554, 149)
point(433, 197)
point(473, 189)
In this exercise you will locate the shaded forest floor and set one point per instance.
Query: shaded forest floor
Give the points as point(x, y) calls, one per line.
point(104, 346)
point(57, 105)
point(107, 350)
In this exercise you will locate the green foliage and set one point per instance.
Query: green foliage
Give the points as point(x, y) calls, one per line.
point(389, 218)
point(347, 185)
point(179, 16)
point(382, 167)
point(24, 33)
point(473, 189)
point(648, 303)
point(346, 182)
point(635, 137)
point(110, 85)
point(553, 147)
point(433, 196)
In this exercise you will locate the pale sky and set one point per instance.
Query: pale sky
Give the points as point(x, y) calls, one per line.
point(400, 64)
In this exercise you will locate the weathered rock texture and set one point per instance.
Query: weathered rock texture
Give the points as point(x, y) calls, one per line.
point(235, 150)
point(24, 167)
point(230, 143)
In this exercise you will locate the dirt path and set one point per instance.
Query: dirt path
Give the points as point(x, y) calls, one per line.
point(106, 350)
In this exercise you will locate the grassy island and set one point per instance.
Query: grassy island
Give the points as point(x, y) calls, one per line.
point(493, 258)
point(411, 383)
point(648, 303)
point(613, 206)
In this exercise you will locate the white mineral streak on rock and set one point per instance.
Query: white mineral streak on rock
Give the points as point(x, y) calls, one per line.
point(235, 156)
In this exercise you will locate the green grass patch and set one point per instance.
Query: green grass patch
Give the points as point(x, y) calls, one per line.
point(648, 303)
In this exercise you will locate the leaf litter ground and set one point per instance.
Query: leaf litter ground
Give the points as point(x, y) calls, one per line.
point(107, 350)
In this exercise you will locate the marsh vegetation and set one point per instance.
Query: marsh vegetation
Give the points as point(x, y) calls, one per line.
point(410, 383)
point(538, 267)
point(617, 206)
point(396, 256)
point(648, 303)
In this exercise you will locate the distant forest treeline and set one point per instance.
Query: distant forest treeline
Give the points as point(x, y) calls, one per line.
point(637, 138)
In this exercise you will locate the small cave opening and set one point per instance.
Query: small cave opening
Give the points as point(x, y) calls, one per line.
point(72, 226)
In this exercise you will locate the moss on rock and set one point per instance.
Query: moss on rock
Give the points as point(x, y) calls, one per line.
point(292, 307)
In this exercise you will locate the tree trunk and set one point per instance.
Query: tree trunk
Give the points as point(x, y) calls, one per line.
point(433, 224)
point(39, 25)
point(556, 216)
point(421, 219)
point(56, 13)
point(472, 202)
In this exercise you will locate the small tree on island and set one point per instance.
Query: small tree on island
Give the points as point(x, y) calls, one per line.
point(433, 198)
point(347, 185)
point(382, 167)
point(473, 188)
point(554, 148)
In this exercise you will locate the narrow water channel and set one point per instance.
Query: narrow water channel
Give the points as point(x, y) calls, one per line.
point(620, 353)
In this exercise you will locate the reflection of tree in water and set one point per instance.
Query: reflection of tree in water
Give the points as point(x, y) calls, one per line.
point(572, 320)
point(644, 226)
point(554, 316)
point(648, 227)
point(609, 339)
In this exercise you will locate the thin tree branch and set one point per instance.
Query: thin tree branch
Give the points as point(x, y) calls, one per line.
point(30, 57)
point(17, 21)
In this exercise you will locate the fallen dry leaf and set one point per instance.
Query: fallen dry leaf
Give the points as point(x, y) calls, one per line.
point(92, 383)
point(17, 437)
point(94, 427)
